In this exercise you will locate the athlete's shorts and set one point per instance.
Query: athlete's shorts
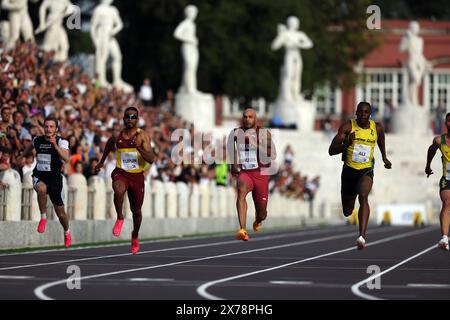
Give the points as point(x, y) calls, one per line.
point(134, 184)
point(350, 178)
point(257, 183)
point(54, 189)
point(444, 184)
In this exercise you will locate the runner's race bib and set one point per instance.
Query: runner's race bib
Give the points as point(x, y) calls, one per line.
point(129, 161)
point(361, 153)
point(44, 162)
point(249, 158)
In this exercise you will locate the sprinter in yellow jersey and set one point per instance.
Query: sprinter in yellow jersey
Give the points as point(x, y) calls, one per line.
point(442, 143)
point(356, 140)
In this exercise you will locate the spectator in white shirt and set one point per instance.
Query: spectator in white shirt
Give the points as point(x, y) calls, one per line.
point(146, 93)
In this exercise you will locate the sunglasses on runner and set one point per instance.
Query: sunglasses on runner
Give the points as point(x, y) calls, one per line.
point(131, 116)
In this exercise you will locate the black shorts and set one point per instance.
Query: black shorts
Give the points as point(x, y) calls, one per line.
point(54, 189)
point(444, 184)
point(350, 178)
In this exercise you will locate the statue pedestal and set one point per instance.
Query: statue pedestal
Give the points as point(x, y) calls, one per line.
point(197, 108)
point(411, 120)
point(301, 113)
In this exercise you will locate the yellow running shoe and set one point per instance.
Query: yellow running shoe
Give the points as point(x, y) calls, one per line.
point(242, 234)
point(257, 226)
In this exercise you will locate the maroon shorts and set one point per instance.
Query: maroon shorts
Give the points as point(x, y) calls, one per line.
point(257, 183)
point(134, 184)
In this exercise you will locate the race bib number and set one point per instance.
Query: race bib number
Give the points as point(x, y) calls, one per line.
point(361, 153)
point(129, 161)
point(249, 159)
point(44, 162)
point(447, 171)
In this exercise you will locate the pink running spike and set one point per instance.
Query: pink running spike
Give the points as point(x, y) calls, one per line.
point(68, 240)
point(41, 226)
point(134, 245)
point(117, 228)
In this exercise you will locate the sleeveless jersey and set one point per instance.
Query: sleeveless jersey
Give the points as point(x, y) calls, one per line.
point(128, 157)
point(48, 162)
point(249, 153)
point(445, 150)
point(359, 154)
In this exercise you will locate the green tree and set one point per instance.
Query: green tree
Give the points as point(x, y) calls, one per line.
point(235, 38)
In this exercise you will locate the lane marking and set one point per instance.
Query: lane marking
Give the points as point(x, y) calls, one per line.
point(428, 285)
point(308, 229)
point(355, 288)
point(39, 291)
point(202, 290)
point(204, 245)
point(15, 277)
point(300, 283)
point(150, 279)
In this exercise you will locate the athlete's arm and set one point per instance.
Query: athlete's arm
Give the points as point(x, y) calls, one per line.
point(431, 153)
point(342, 139)
point(381, 145)
point(144, 147)
point(231, 153)
point(108, 148)
point(266, 142)
point(62, 147)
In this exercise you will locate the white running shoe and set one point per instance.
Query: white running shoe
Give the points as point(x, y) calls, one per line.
point(443, 244)
point(360, 243)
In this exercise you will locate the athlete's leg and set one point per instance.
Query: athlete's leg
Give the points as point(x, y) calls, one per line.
point(348, 191)
point(260, 198)
point(136, 198)
point(41, 190)
point(245, 185)
point(445, 212)
point(363, 187)
point(62, 216)
point(348, 203)
point(119, 188)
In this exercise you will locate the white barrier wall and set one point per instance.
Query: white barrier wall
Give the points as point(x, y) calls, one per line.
point(28, 181)
point(204, 200)
point(147, 205)
point(97, 185)
point(13, 193)
point(162, 200)
point(194, 202)
point(183, 199)
point(171, 199)
point(78, 182)
point(158, 196)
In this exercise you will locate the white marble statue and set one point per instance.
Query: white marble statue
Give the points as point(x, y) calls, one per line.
point(56, 37)
point(19, 21)
point(417, 64)
point(291, 72)
point(105, 24)
point(186, 33)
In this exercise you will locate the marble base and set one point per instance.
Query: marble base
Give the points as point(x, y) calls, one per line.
point(411, 120)
point(301, 113)
point(197, 108)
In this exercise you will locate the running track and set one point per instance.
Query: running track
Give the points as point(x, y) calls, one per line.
point(310, 263)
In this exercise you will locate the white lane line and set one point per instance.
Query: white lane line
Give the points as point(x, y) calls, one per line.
point(292, 233)
point(39, 291)
point(15, 277)
point(311, 232)
point(202, 290)
point(356, 286)
point(298, 283)
point(428, 285)
point(150, 279)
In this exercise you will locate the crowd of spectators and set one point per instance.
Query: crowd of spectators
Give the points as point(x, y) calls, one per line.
point(33, 85)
